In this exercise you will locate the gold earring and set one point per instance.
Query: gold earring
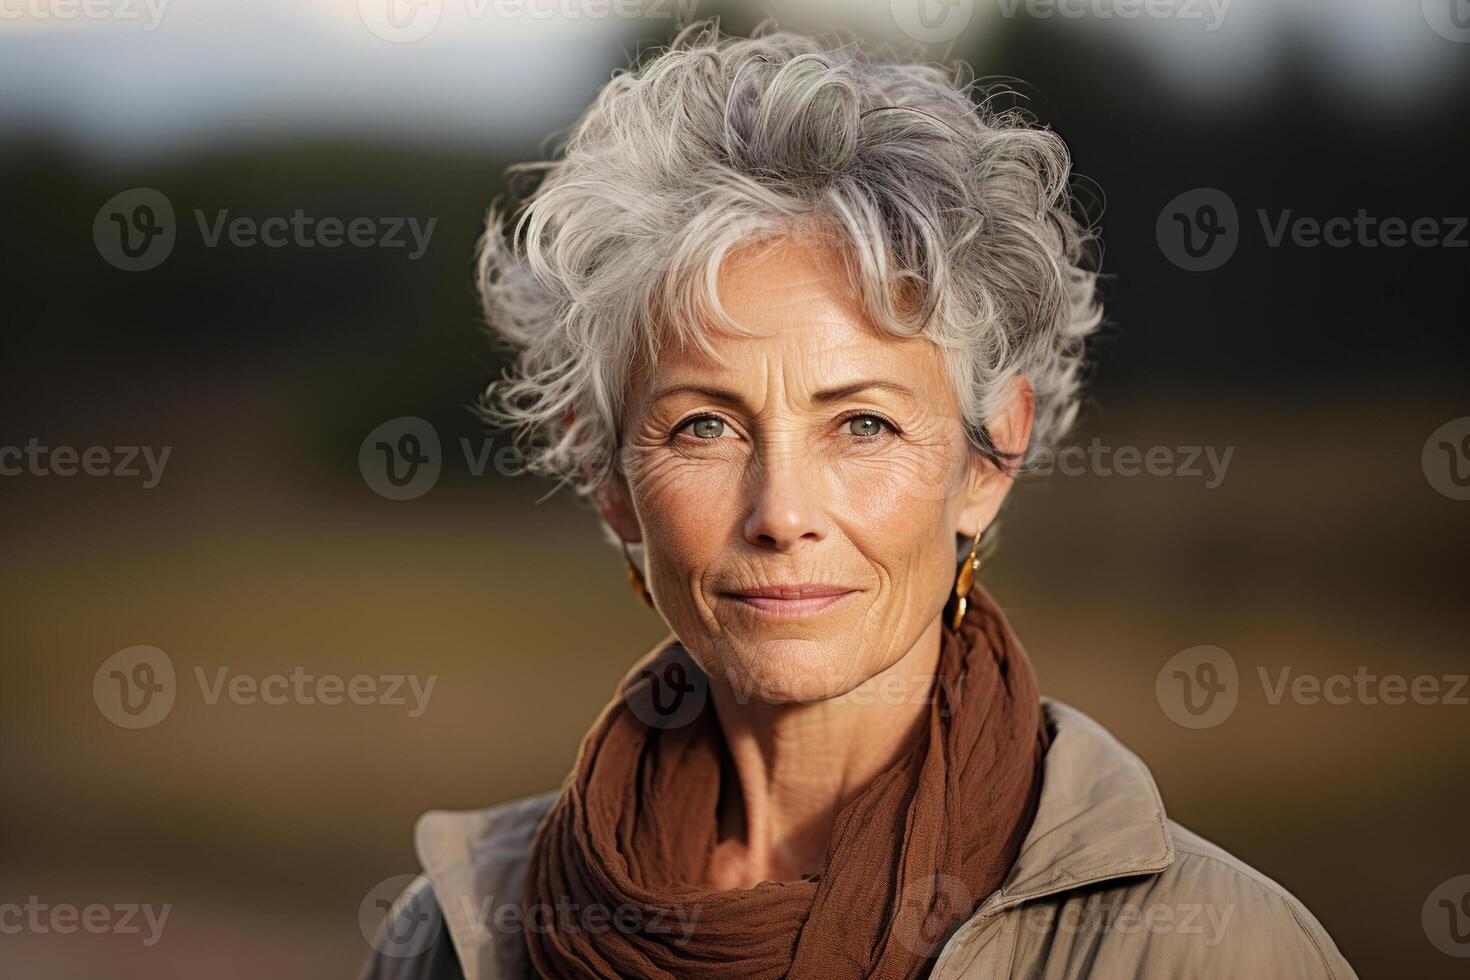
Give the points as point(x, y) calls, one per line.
point(635, 578)
point(964, 580)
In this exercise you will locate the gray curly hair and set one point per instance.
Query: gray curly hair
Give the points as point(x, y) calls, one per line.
point(954, 221)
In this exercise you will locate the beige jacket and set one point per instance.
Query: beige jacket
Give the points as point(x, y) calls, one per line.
point(1105, 886)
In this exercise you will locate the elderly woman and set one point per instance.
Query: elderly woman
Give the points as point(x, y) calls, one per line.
point(795, 317)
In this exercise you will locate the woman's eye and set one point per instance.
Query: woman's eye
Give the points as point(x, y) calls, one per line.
point(866, 426)
point(708, 427)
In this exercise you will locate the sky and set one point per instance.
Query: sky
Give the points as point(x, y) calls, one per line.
point(145, 78)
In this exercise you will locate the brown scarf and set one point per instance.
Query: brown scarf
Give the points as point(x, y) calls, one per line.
point(612, 885)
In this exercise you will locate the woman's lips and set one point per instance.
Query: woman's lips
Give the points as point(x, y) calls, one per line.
point(793, 601)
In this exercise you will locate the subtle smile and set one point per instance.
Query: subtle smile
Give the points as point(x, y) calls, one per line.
point(791, 601)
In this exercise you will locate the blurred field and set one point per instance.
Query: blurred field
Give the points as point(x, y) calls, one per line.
point(1324, 550)
point(264, 826)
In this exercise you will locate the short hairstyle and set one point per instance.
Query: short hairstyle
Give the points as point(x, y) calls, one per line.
point(955, 221)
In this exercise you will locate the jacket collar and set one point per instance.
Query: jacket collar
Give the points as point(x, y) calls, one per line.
point(1099, 817)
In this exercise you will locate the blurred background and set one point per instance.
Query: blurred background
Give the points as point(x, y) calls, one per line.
point(1324, 376)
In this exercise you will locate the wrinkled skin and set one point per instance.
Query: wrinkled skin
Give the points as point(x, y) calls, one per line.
point(780, 478)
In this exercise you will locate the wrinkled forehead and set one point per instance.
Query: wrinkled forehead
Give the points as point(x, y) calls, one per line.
point(801, 319)
point(775, 285)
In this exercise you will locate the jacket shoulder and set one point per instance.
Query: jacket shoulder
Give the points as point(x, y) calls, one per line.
point(1265, 923)
point(1206, 915)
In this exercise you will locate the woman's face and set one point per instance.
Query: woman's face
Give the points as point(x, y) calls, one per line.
point(824, 453)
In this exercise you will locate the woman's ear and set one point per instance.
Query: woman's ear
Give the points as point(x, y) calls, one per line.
point(988, 483)
point(615, 504)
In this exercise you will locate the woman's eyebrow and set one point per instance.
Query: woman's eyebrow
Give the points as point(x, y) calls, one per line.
point(712, 393)
point(848, 390)
point(824, 396)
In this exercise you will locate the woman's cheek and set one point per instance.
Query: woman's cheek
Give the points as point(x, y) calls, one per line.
point(897, 488)
point(689, 508)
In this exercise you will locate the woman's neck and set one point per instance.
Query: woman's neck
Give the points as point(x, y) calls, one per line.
point(791, 768)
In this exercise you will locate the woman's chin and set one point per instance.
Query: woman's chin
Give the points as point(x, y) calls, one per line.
point(782, 671)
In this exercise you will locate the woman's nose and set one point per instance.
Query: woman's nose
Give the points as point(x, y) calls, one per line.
point(785, 509)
